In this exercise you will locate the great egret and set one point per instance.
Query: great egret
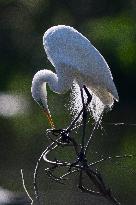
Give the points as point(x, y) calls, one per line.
point(74, 59)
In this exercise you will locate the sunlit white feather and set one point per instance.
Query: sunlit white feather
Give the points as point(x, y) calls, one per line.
point(75, 60)
point(71, 52)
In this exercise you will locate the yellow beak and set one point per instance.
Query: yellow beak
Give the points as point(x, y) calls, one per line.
point(46, 111)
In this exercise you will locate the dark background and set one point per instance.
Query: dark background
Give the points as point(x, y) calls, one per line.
point(110, 26)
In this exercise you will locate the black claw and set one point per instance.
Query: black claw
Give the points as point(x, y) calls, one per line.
point(63, 133)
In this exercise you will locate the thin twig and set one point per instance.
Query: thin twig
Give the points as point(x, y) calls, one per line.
point(92, 133)
point(81, 164)
point(111, 158)
point(53, 177)
point(24, 186)
point(36, 191)
point(85, 190)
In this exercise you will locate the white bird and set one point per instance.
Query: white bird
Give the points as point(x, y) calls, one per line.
point(74, 59)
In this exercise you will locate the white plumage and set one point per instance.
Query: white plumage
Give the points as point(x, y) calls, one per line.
point(74, 59)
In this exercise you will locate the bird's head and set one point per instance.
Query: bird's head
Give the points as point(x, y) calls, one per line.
point(39, 94)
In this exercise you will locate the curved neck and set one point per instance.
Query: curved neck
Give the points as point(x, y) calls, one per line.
point(56, 83)
point(51, 78)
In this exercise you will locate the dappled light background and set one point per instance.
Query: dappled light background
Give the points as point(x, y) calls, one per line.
point(111, 27)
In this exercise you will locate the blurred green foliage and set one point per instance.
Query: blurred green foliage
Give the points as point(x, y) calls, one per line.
point(110, 26)
point(116, 35)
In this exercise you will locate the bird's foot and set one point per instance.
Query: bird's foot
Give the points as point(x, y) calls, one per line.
point(65, 138)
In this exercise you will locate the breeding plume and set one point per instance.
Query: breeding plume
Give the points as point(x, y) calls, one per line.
point(75, 59)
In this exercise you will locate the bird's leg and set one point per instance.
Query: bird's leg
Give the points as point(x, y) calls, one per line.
point(80, 155)
point(89, 97)
point(81, 111)
point(64, 139)
point(74, 121)
point(97, 123)
point(84, 123)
